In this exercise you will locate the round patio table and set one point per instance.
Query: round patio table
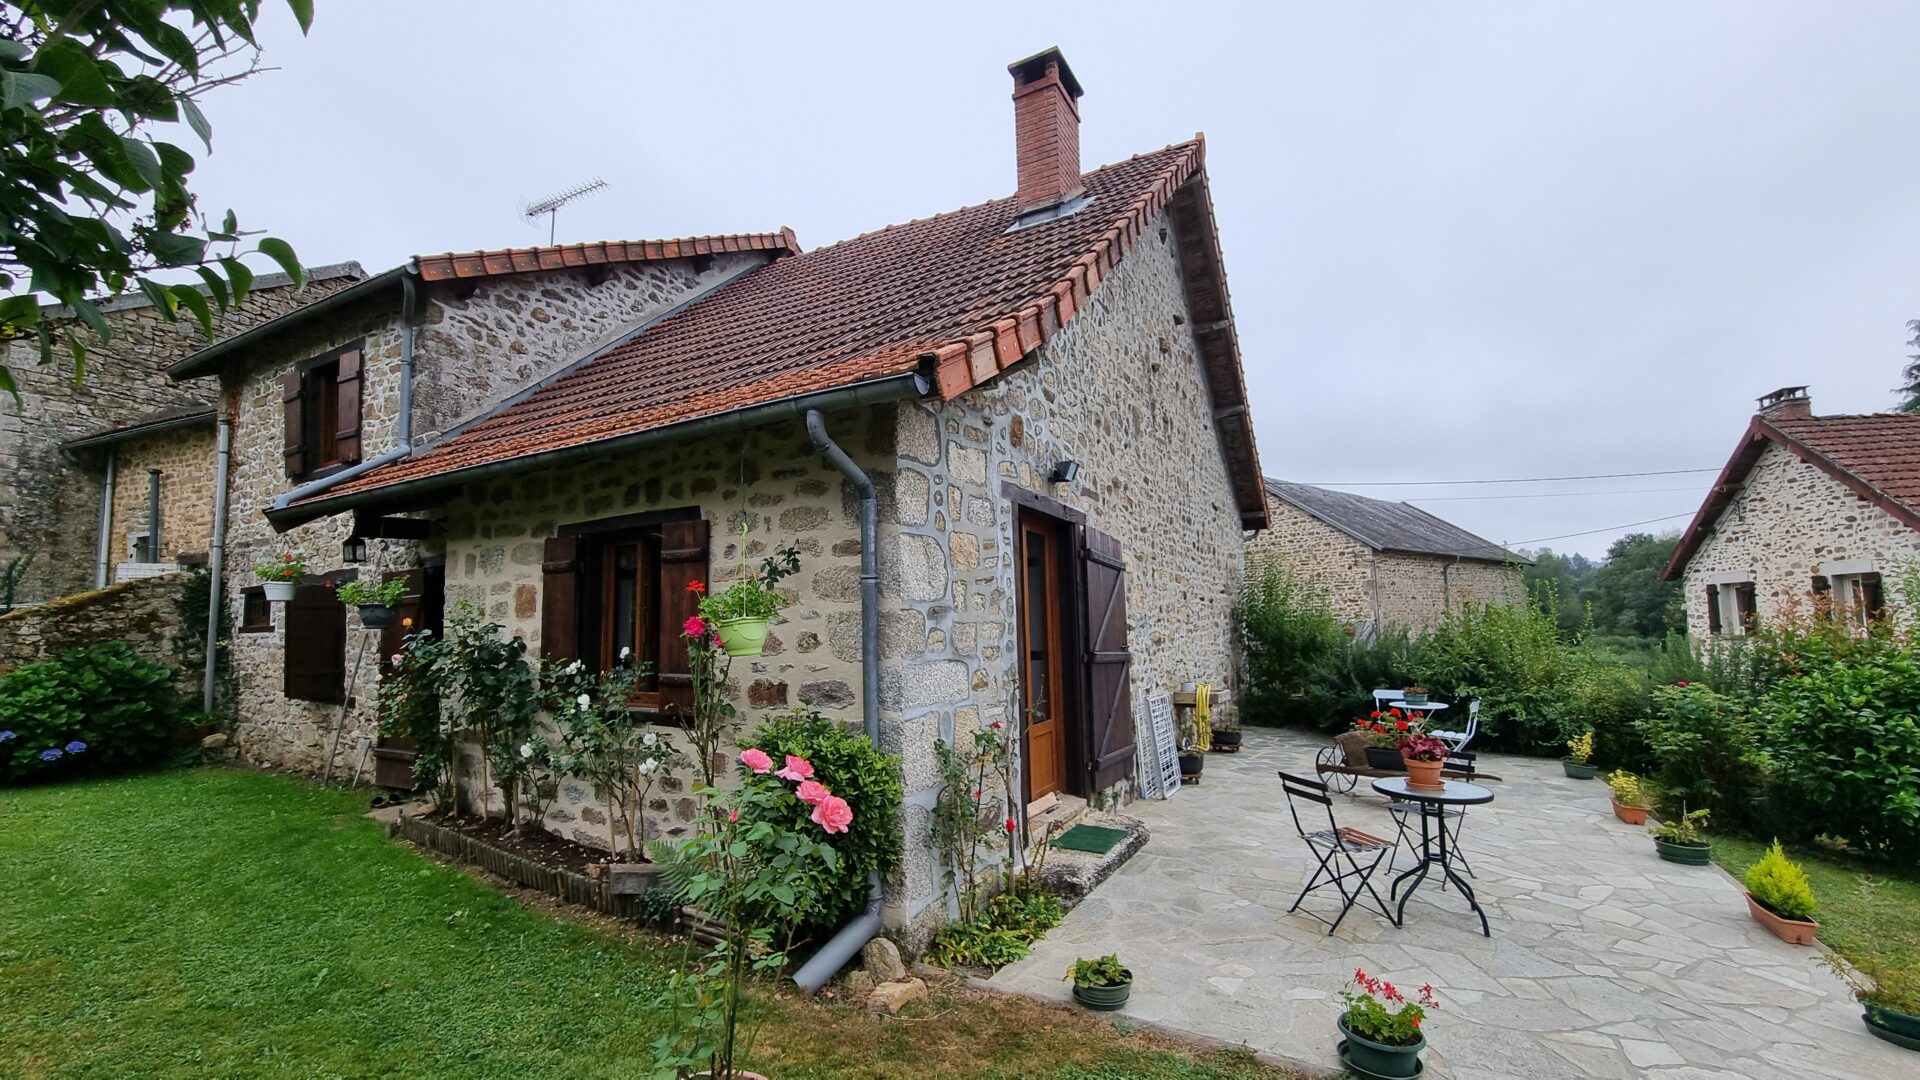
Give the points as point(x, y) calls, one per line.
point(1433, 805)
point(1425, 709)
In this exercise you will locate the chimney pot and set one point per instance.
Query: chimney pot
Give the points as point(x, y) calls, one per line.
point(1046, 130)
point(1787, 403)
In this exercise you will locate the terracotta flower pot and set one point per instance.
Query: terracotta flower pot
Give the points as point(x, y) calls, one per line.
point(1791, 931)
point(1632, 815)
point(1425, 774)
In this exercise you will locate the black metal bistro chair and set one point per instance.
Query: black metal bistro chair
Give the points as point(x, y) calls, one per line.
point(1459, 762)
point(1362, 853)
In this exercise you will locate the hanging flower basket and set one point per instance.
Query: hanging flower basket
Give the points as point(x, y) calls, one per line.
point(743, 637)
point(376, 616)
point(278, 592)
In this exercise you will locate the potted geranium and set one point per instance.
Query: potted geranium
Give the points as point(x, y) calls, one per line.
point(1630, 800)
point(742, 610)
point(280, 578)
point(1424, 757)
point(375, 599)
point(1102, 983)
point(1680, 839)
point(1781, 898)
point(1383, 732)
point(1579, 760)
point(1382, 1028)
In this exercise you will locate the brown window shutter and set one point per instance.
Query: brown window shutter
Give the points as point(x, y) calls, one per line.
point(1873, 596)
point(683, 560)
point(1109, 687)
point(1747, 604)
point(314, 659)
point(560, 600)
point(1713, 609)
point(346, 438)
point(294, 404)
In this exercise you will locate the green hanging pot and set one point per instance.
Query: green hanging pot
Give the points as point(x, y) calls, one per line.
point(743, 637)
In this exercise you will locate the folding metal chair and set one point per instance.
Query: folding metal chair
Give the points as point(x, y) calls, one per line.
point(1381, 699)
point(1459, 739)
point(1450, 817)
point(1333, 845)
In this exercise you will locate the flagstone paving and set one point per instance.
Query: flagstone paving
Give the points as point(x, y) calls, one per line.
point(1604, 960)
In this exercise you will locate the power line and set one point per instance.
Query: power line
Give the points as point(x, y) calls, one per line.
point(1544, 495)
point(1590, 532)
point(1516, 480)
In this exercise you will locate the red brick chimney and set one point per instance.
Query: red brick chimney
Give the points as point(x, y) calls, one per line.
point(1046, 130)
point(1787, 403)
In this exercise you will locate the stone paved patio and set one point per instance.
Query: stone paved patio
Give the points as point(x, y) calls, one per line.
point(1604, 961)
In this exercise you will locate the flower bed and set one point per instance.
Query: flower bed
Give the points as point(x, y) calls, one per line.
point(562, 882)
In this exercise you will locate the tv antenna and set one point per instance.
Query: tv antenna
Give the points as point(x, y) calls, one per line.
point(551, 205)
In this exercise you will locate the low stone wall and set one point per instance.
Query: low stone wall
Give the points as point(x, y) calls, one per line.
point(143, 613)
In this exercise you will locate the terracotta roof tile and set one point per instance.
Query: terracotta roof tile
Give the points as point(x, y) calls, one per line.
point(959, 288)
point(473, 264)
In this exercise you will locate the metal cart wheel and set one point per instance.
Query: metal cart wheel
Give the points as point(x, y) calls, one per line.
point(1341, 782)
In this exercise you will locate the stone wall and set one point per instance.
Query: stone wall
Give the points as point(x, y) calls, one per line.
point(144, 614)
point(1122, 392)
point(1787, 520)
point(465, 361)
point(49, 502)
point(185, 458)
point(1322, 554)
point(1418, 591)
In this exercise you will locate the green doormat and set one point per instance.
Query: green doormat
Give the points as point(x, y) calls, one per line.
point(1095, 838)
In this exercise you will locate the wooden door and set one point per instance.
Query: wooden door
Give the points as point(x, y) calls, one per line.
point(1043, 691)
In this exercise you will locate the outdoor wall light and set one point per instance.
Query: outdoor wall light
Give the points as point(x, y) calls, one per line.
point(354, 550)
point(1065, 472)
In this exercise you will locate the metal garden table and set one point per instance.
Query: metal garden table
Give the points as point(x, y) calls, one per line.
point(1433, 835)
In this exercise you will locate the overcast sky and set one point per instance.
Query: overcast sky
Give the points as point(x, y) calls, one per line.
point(1464, 241)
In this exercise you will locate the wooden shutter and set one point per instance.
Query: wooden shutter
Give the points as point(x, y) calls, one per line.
point(346, 438)
point(683, 560)
point(560, 600)
point(1873, 595)
point(1822, 594)
point(1109, 664)
point(314, 656)
point(1745, 602)
point(1713, 609)
point(293, 404)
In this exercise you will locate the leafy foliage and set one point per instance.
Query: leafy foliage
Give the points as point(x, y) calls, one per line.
point(601, 741)
point(90, 204)
point(1622, 595)
point(367, 591)
point(1628, 790)
point(1780, 885)
point(1293, 645)
point(974, 812)
point(1002, 930)
point(1377, 1010)
point(1686, 827)
point(90, 709)
point(849, 765)
point(1099, 971)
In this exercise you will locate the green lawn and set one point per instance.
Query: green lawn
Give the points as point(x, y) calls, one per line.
point(1869, 913)
point(219, 922)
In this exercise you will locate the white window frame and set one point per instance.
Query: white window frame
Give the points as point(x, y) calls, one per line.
point(1849, 603)
point(1726, 585)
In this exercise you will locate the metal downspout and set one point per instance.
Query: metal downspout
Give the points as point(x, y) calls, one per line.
point(216, 559)
point(103, 556)
point(854, 936)
point(405, 434)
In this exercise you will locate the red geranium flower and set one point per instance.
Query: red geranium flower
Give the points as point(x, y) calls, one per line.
point(696, 586)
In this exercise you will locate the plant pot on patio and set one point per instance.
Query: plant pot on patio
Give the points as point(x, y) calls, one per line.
point(1103, 998)
point(1580, 770)
point(1425, 774)
point(1791, 931)
point(1192, 763)
point(1386, 759)
point(1227, 741)
point(1899, 1028)
point(1699, 853)
point(1632, 815)
point(1369, 1058)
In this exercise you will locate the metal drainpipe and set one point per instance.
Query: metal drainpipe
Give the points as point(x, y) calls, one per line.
point(103, 556)
point(852, 937)
point(217, 557)
point(153, 515)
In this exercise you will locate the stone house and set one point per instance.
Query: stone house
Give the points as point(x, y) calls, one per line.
point(1011, 443)
point(1383, 563)
point(1811, 513)
point(68, 448)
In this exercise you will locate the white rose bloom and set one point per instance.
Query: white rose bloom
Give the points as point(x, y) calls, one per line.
point(526, 750)
point(573, 667)
point(625, 652)
point(648, 766)
point(650, 739)
point(584, 701)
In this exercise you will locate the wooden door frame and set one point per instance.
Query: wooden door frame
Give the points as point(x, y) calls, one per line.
point(1068, 608)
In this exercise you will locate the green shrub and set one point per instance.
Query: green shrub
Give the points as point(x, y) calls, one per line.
point(1609, 699)
point(1003, 932)
point(1513, 659)
point(1628, 789)
point(88, 710)
point(1702, 743)
point(1293, 645)
point(849, 765)
point(1780, 885)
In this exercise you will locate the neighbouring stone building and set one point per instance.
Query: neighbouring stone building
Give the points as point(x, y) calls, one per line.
point(1383, 563)
point(1810, 514)
point(1043, 391)
point(62, 438)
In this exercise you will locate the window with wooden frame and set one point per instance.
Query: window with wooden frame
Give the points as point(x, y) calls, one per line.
point(321, 404)
point(1855, 597)
point(615, 592)
point(256, 614)
point(1733, 608)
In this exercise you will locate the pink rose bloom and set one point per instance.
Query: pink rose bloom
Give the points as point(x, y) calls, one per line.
point(757, 760)
point(832, 814)
point(694, 627)
point(812, 792)
point(798, 769)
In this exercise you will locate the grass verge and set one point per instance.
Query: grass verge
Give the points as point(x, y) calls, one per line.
point(220, 922)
